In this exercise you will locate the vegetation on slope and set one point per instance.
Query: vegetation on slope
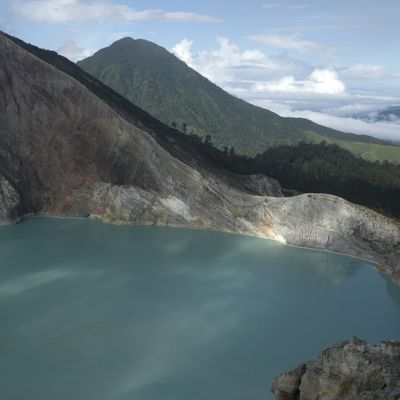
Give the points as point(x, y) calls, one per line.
point(317, 168)
point(368, 151)
point(158, 82)
point(330, 169)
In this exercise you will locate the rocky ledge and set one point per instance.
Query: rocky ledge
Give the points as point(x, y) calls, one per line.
point(350, 370)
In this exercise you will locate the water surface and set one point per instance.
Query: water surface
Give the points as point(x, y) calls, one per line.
point(95, 311)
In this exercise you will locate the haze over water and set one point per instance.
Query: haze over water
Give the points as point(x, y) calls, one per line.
point(96, 311)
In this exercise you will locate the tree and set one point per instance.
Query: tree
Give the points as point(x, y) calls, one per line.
point(232, 152)
point(184, 127)
point(173, 124)
point(225, 149)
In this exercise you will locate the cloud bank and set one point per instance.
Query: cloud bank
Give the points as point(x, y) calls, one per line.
point(270, 6)
point(321, 81)
point(291, 42)
point(380, 129)
point(293, 88)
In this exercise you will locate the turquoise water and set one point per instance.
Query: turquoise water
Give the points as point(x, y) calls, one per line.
point(95, 311)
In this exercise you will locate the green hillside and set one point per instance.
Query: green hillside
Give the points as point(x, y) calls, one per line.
point(157, 81)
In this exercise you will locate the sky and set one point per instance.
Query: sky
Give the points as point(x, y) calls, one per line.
point(335, 62)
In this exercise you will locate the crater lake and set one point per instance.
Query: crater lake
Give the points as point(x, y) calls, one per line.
point(96, 311)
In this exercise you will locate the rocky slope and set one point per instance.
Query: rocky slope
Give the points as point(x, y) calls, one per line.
point(65, 150)
point(349, 370)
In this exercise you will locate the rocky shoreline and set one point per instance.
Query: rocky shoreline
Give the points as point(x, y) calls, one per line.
point(393, 274)
point(350, 370)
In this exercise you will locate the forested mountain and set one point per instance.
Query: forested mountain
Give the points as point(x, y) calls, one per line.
point(160, 83)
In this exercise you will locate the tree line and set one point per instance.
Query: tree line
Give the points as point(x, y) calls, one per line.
point(316, 168)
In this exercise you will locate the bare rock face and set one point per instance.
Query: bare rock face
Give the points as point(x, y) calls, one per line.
point(261, 185)
point(331, 223)
point(351, 370)
point(64, 151)
point(9, 202)
point(383, 394)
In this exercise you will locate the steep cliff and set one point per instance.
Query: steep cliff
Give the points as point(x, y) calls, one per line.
point(75, 148)
point(351, 370)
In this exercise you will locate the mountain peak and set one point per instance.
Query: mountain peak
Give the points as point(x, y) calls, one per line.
point(124, 40)
point(131, 41)
point(152, 78)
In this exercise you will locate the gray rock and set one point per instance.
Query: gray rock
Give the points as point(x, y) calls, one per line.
point(9, 202)
point(383, 394)
point(261, 185)
point(351, 370)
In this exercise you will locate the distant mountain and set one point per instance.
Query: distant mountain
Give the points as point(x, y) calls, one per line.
point(390, 114)
point(160, 83)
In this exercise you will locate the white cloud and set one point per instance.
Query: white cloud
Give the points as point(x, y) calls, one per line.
point(394, 118)
point(321, 81)
point(226, 64)
point(381, 130)
point(269, 6)
point(291, 42)
point(72, 51)
point(364, 71)
point(183, 51)
point(354, 109)
point(292, 88)
point(81, 10)
point(299, 6)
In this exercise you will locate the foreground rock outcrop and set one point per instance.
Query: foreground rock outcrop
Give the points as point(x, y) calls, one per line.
point(66, 150)
point(349, 370)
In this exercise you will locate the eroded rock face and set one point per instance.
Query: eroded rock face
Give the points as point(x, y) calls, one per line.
point(331, 223)
point(65, 152)
point(351, 370)
point(9, 202)
point(261, 185)
point(383, 394)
